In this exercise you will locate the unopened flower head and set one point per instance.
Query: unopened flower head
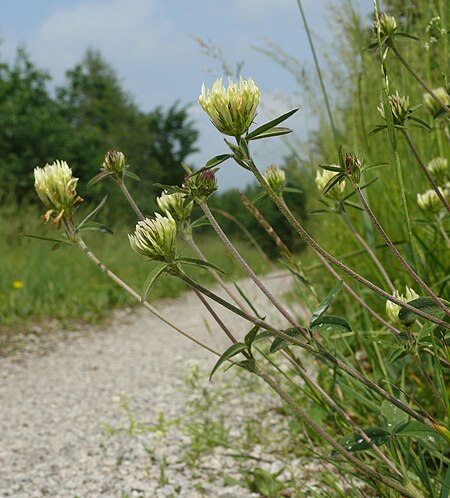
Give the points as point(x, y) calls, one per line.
point(114, 162)
point(399, 107)
point(323, 176)
point(155, 238)
point(200, 186)
point(429, 200)
point(429, 102)
point(56, 187)
point(233, 109)
point(275, 178)
point(386, 24)
point(438, 167)
point(392, 309)
point(175, 206)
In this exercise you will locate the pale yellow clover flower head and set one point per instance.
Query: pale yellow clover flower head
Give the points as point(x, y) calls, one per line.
point(429, 102)
point(429, 200)
point(438, 166)
point(392, 309)
point(175, 206)
point(399, 107)
point(56, 187)
point(155, 238)
point(275, 177)
point(323, 176)
point(386, 24)
point(114, 162)
point(232, 110)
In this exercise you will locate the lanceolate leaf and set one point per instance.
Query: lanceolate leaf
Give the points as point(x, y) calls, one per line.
point(93, 225)
point(233, 350)
point(330, 323)
point(354, 442)
point(99, 177)
point(332, 182)
point(199, 263)
point(152, 278)
point(133, 176)
point(426, 304)
point(214, 161)
point(94, 212)
point(325, 304)
point(49, 239)
point(271, 124)
point(273, 132)
point(250, 336)
point(417, 430)
point(281, 343)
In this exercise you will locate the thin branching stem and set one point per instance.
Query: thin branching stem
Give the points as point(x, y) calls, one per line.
point(229, 245)
point(319, 250)
point(130, 200)
point(308, 378)
point(366, 246)
point(303, 415)
point(425, 170)
point(419, 79)
point(396, 253)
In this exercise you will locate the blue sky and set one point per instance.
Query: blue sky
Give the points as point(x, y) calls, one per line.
point(150, 44)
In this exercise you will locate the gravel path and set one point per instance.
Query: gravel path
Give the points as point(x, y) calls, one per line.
point(61, 426)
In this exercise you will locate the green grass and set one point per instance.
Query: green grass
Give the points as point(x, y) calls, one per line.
point(65, 285)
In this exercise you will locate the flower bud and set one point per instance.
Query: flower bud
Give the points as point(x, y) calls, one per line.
point(399, 107)
point(231, 110)
point(56, 187)
point(386, 24)
point(429, 102)
point(275, 178)
point(392, 309)
point(429, 200)
point(155, 238)
point(200, 186)
point(175, 206)
point(114, 162)
point(323, 176)
point(353, 167)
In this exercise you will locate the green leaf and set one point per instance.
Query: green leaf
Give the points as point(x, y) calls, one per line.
point(294, 190)
point(94, 225)
point(425, 304)
point(331, 168)
point(199, 263)
point(330, 323)
point(392, 415)
point(200, 222)
point(99, 177)
point(94, 212)
point(325, 304)
point(249, 364)
point(214, 161)
point(396, 352)
point(372, 166)
point(271, 124)
point(243, 147)
point(332, 182)
point(281, 342)
point(417, 430)
point(170, 188)
point(420, 122)
point(377, 129)
point(341, 157)
point(152, 277)
point(405, 35)
point(273, 132)
point(250, 336)
point(131, 175)
point(354, 442)
point(233, 350)
point(49, 239)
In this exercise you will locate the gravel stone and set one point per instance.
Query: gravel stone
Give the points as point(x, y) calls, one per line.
point(64, 433)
